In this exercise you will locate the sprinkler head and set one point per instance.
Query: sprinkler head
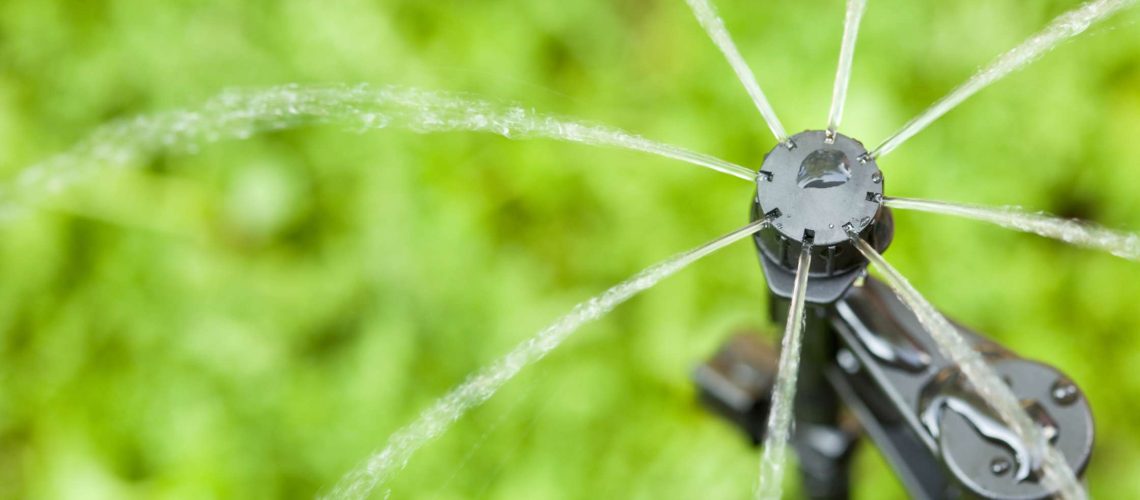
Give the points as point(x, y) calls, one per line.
point(817, 188)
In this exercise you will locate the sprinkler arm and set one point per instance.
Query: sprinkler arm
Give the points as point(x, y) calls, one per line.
point(868, 353)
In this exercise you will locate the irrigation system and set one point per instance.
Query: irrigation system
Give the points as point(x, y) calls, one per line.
point(955, 414)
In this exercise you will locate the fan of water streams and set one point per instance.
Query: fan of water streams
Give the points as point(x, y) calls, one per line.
point(242, 113)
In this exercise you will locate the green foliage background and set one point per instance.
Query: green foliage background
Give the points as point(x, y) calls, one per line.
point(254, 319)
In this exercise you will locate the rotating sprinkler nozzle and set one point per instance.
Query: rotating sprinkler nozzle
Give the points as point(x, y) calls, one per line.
point(814, 188)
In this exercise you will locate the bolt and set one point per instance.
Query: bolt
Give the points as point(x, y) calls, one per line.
point(1000, 466)
point(847, 361)
point(1064, 392)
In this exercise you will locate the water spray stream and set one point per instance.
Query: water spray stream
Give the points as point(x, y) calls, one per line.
point(854, 18)
point(1075, 232)
point(239, 114)
point(712, 23)
point(1064, 27)
point(1057, 474)
point(478, 388)
point(784, 392)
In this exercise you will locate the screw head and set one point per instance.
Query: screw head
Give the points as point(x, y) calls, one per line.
point(1064, 392)
point(999, 466)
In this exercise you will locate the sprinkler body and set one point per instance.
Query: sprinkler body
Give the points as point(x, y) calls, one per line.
point(865, 351)
point(909, 400)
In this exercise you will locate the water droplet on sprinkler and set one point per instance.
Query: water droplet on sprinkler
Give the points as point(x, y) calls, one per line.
point(824, 168)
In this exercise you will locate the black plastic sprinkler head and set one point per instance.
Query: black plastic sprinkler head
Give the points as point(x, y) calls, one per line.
point(813, 188)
